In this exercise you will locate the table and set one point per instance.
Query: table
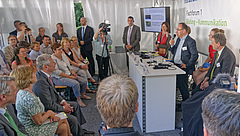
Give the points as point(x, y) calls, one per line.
point(157, 96)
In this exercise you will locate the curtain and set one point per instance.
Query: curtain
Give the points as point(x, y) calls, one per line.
point(117, 12)
point(38, 13)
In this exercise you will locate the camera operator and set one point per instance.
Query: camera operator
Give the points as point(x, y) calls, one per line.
point(102, 39)
point(25, 34)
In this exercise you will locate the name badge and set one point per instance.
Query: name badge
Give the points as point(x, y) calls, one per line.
point(102, 45)
point(184, 48)
point(218, 64)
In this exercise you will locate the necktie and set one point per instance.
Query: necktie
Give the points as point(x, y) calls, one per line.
point(51, 80)
point(129, 35)
point(82, 33)
point(214, 66)
point(10, 119)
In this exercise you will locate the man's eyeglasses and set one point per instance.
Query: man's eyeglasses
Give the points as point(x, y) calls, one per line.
point(59, 49)
point(12, 39)
point(179, 29)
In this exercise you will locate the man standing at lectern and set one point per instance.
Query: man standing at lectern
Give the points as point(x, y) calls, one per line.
point(131, 36)
point(185, 56)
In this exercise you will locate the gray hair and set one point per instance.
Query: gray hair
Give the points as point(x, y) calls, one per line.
point(117, 100)
point(42, 60)
point(220, 37)
point(4, 86)
point(221, 113)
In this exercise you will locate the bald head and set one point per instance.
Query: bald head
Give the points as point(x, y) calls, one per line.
point(83, 21)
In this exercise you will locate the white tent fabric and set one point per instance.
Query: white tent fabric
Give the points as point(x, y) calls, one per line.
point(38, 13)
point(117, 12)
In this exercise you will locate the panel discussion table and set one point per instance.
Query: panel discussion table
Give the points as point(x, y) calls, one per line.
point(157, 95)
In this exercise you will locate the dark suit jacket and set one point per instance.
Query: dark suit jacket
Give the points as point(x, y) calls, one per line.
point(227, 63)
point(134, 38)
point(13, 32)
point(6, 127)
point(88, 38)
point(47, 93)
point(188, 56)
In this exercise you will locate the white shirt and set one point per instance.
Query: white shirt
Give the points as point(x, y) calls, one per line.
point(177, 58)
point(219, 53)
point(27, 35)
point(84, 28)
point(3, 111)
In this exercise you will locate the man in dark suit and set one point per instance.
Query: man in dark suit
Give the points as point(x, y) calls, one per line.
point(132, 35)
point(9, 123)
point(85, 38)
point(223, 61)
point(185, 55)
point(17, 26)
point(45, 90)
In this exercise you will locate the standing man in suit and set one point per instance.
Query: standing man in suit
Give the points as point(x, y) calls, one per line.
point(8, 50)
point(45, 90)
point(85, 37)
point(9, 123)
point(131, 37)
point(17, 26)
point(223, 61)
point(185, 55)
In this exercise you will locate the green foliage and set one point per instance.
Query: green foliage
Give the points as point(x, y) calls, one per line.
point(78, 14)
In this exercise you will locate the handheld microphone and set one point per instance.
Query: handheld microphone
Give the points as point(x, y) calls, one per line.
point(174, 36)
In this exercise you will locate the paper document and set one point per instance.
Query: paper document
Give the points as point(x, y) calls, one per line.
point(61, 115)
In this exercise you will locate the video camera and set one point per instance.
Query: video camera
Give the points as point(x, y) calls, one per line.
point(105, 26)
point(26, 27)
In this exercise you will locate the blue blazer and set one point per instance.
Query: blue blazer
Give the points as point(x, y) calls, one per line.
point(188, 56)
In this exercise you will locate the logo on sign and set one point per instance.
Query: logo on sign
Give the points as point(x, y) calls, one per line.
point(188, 1)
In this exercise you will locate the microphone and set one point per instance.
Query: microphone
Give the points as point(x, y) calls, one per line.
point(223, 79)
point(174, 36)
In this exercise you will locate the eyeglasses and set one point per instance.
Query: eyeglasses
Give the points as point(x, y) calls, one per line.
point(23, 51)
point(12, 39)
point(179, 29)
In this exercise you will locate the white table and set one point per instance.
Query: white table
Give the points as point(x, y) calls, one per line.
point(157, 96)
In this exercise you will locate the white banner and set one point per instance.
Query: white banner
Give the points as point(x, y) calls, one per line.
point(203, 15)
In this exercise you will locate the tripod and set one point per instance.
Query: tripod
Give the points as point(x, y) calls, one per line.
point(110, 67)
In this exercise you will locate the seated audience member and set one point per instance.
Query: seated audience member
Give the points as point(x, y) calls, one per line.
point(35, 52)
point(117, 102)
point(26, 45)
point(59, 34)
point(45, 90)
point(30, 110)
point(75, 47)
point(4, 67)
point(21, 58)
point(8, 50)
point(162, 44)
point(25, 34)
point(18, 28)
point(39, 38)
point(199, 74)
point(221, 113)
point(45, 47)
point(223, 62)
point(102, 59)
point(65, 76)
point(78, 67)
point(191, 108)
point(9, 123)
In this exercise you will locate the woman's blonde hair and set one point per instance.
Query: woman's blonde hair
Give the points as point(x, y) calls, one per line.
point(65, 39)
point(76, 38)
point(23, 76)
point(117, 98)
